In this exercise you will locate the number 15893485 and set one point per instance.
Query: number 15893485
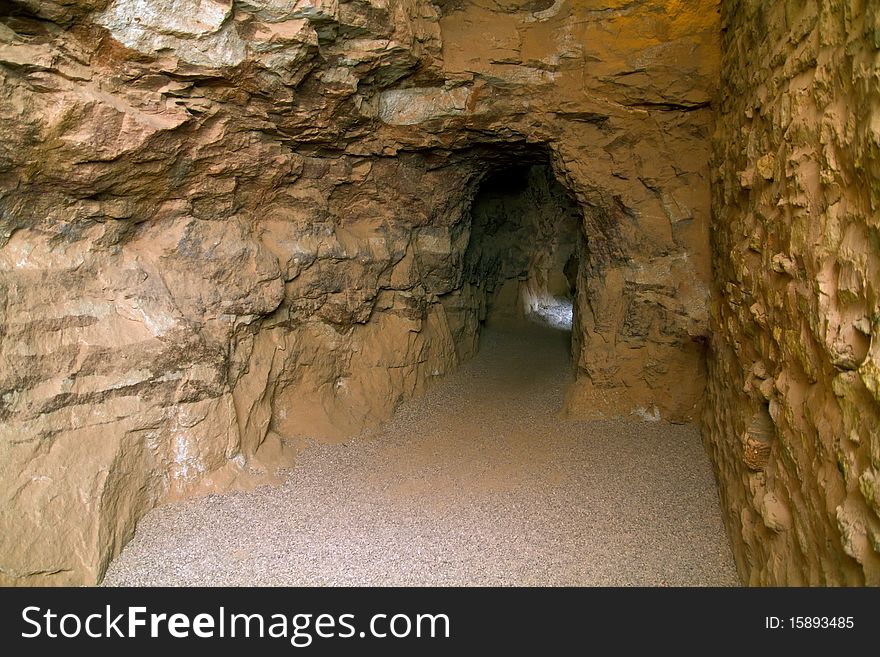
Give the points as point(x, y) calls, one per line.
point(809, 622)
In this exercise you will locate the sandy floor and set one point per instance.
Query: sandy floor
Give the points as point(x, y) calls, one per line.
point(476, 483)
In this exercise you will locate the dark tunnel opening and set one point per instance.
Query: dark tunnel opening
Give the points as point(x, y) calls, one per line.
point(521, 260)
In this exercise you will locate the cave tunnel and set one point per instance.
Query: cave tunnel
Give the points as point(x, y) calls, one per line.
point(524, 243)
point(425, 292)
point(520, 263)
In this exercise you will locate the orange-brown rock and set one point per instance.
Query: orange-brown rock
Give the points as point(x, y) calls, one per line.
point(793, 413)
point(226, 226)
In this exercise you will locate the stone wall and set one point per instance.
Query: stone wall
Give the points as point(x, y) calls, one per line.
point(227, 226)
point(793, 412)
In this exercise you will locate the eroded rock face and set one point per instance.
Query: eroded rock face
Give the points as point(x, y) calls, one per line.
point(793, 414)
point(228, 226)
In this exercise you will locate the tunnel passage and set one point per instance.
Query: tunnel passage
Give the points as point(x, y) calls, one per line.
point(521, 258)
point(234, 223)
point(265, 247)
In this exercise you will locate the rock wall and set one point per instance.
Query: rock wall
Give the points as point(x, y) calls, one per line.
point(793, 412)
point(228, 226)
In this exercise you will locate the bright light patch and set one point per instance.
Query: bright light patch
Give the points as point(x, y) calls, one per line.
point(552, 311)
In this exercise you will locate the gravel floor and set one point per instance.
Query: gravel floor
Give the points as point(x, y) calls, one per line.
point(479, 482)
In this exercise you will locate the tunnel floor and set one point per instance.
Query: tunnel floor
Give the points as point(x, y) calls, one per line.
point(479, 482)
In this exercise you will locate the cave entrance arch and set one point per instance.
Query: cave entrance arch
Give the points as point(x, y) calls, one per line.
point(524, 238)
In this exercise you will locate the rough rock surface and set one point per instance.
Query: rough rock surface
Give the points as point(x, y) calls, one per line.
point(793, 412)
point(229, 225)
